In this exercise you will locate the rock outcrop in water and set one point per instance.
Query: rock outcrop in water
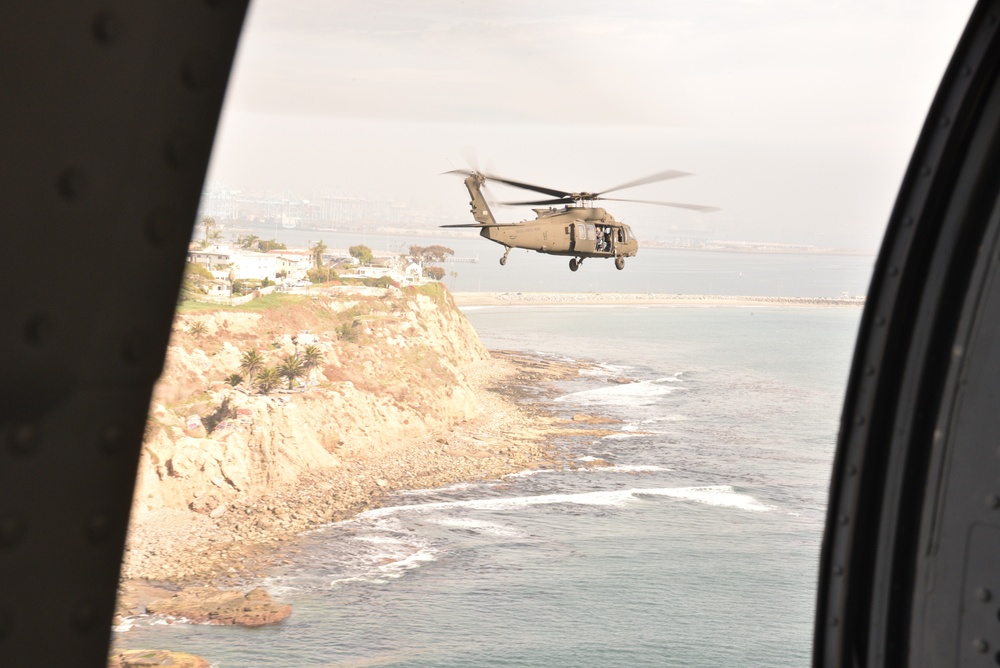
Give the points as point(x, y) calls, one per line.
point(204, 605)
point(153, 658)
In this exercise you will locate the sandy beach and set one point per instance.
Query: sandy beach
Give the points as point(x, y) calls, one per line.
point(463, 299)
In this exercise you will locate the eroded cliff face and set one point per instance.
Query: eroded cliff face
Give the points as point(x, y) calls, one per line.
point(391, 371)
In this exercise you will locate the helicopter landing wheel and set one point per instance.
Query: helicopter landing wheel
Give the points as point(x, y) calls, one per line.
point(619, 262)
point(503, 260)
point(574, 264)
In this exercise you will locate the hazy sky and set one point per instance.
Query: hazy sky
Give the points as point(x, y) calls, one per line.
point(796, 117)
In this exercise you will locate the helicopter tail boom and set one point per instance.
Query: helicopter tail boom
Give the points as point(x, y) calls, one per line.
point(480, 209)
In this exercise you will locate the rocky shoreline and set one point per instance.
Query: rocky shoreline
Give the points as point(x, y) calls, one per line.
point(173, 549)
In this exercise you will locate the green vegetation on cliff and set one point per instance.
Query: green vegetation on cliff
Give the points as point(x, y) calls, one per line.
point(263, 303)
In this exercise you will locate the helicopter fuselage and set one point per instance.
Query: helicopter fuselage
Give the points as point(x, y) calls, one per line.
point(576, 231)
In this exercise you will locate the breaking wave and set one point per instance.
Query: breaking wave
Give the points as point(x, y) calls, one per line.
point(718, 495)
point(643, 393)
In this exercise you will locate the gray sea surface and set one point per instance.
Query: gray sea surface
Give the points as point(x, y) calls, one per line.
point(657, 270)
point(696, 545)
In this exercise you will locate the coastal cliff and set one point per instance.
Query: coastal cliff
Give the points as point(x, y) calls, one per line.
point(399, 398)
point(390, 369)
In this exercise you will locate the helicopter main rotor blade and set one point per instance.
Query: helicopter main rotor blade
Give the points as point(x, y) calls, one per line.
point(652, 178)
point(540, 202)
point(517, 184)
point(565, 197)
point(471, 157)
point(677, 205)
point(527, 186)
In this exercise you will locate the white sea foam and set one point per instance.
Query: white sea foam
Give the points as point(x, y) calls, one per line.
point(720, 495)
point(554, 356)
point(395, 569)
point(605, 370)
point(630, 394)
point(134, 621)
point(663, 418)
point(528, 472)
point(506, 503)
point(477, 526)
point(125, 626)
point(380, 540)
point(623, 468)
point(384, 558)
point(356, 578)
point(167, 620)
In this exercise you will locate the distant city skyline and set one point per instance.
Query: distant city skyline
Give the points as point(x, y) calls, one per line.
point(796, 118)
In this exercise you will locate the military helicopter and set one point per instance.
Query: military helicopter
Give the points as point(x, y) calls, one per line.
point(578, 229)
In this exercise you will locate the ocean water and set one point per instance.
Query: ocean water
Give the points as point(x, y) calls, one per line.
point(695, 545)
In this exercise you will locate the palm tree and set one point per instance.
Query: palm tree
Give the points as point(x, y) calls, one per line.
point(198, 329)
point(268, 379)
point(234, 379)
point(317, 253)
point(312, 357)
point(251, 362)
point(291, 368)
point(248, 241)
point(212, 234)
